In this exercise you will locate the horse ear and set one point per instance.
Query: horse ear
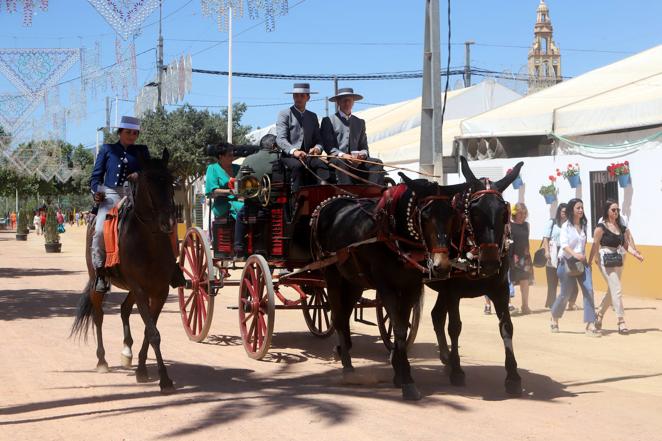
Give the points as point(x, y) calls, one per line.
point(504, 182)
point(405, 178)
point(466, 171)
point(165, 156)
point(452, 190)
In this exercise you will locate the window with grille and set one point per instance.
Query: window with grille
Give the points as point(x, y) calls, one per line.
point(603, 187)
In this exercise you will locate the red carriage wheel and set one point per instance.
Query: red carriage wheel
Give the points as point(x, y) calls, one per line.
point(256, 307)
point(386, 327)
point(196, 298)
point(316, 311)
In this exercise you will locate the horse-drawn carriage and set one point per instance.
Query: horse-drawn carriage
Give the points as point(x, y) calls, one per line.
point(277, 255)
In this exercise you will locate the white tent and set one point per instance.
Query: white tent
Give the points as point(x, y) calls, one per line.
point(622, 95)
point(393, 130)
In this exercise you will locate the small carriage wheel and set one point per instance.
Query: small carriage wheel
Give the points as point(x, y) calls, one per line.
point(316, 311)
point(386, 328)
point(264, 194)
point(256, 307)
point(196, 298)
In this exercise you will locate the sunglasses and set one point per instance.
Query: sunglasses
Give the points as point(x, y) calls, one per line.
point(615, 209)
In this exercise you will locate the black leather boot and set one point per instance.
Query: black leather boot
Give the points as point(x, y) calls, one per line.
point(101, 284)
point(177, 279)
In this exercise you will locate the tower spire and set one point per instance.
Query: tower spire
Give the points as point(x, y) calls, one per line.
point(544, 55)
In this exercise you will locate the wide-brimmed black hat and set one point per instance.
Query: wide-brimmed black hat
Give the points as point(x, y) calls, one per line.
point(301, 88)
point(346, 91)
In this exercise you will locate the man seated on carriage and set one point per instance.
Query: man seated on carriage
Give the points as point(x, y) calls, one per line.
point(257, 165)
point(298, 136)
point(345, 141)
point(217, 179)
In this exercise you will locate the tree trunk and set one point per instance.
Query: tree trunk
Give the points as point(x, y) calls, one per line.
point(188, 187)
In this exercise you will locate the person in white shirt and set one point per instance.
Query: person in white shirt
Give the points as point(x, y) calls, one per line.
point(573, 250)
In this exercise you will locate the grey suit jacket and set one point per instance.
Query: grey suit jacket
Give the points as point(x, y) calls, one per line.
point(296, 131)
point(358, 139)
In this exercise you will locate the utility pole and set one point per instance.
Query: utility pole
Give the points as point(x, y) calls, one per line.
point(230, 75)
point(159, 61)
point(467, 62)
point(431, 148)
point(335, 89)
point(326, 105)
point(108, 113)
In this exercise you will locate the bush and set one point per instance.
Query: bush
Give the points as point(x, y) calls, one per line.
point(22, 221)
point(50, 229)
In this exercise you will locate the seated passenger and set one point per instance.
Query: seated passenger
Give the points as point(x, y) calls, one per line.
point(259, 164)
point(345, 141)
point(297, 136)
point(217, 178)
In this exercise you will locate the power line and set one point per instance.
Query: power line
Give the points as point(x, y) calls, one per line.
point(401, 75)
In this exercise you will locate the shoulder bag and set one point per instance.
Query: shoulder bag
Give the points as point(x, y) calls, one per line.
point(539, 259)
point(612, 260)
point(574, 267)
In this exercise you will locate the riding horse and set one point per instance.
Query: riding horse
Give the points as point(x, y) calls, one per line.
point(380, 244)
point(479, 248)
point(145, 268)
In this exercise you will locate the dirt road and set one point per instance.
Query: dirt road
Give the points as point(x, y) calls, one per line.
point(575, 387)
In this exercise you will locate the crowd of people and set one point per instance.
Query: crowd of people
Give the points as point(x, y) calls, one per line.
point(569, 265)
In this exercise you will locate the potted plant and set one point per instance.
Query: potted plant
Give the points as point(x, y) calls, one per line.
point(51, 235)
point(620, 170)
point(549, 191)
point(571, 174)
point(517, 183)
point(30, 214)
point(22, 222)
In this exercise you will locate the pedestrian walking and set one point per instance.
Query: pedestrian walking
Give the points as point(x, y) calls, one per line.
point(36, 221)
point(521, 267)
point(611, 240)
point(573, 268)
point(551, 243)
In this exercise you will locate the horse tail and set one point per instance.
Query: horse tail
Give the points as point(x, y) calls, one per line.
point(83, 319)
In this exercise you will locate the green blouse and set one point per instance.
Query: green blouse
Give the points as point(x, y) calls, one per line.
point(215, 178)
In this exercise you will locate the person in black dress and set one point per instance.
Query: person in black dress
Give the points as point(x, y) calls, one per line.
point(521, 268)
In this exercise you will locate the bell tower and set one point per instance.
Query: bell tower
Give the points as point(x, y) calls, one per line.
point(544, 55)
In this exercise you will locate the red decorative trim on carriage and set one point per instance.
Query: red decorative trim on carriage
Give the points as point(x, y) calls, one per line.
point(390, 198)
point(110, 239)
point(277, 232)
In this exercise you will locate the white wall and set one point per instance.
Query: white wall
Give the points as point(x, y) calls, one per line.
point(641, 202)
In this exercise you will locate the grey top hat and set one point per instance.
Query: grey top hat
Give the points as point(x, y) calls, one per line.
point(301, 88)
point(129, 122)
point(346, 91)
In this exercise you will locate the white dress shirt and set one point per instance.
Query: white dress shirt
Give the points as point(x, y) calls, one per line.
point(569, 237)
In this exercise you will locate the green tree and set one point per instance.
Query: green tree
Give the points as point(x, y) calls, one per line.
point(186, 132)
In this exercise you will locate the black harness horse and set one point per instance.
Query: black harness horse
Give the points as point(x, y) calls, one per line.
point(389, 245)
point(146, 266)
point(481, 234)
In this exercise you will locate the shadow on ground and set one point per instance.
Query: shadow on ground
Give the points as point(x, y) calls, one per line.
point(42, 303)
point(231, 394)
point(11, 273)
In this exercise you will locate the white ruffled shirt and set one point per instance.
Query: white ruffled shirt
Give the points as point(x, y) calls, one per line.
point(569, 237)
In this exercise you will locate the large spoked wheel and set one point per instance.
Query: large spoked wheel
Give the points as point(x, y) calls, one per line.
point(256, 307)
point(316, 311)
point(196, 302)
point(386, 327)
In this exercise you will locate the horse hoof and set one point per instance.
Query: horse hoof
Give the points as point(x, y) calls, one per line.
point(167, 388)
point(445, 358)
point(410, 392)
point(458, 379)
point(142, 377)
point(102, 368)
point(514, 387)
point(125, 361)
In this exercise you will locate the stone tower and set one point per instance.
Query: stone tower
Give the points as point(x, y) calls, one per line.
point(544, 55)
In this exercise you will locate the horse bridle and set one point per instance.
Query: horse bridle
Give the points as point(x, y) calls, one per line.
point(468, 240)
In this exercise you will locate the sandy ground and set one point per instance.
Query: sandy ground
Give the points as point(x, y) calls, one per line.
point(575, 387)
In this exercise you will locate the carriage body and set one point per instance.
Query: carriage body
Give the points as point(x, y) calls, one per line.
point(277, 255)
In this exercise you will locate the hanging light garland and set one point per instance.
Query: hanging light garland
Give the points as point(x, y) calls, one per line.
point(221, 9)
point(28, 8)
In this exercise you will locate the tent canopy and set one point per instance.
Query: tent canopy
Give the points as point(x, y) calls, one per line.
point(622, 95)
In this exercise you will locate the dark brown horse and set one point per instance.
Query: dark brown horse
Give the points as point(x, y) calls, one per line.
point(146, 267)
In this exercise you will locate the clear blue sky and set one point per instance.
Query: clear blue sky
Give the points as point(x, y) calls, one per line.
point(339, 36)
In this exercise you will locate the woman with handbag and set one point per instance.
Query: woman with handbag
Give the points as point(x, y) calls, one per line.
point(550, 245)
point(521, 269)
point(611, 239)
point(573, 268)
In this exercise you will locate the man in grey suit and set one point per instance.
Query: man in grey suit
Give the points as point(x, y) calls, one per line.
point(298, 136)
point(345, 141)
